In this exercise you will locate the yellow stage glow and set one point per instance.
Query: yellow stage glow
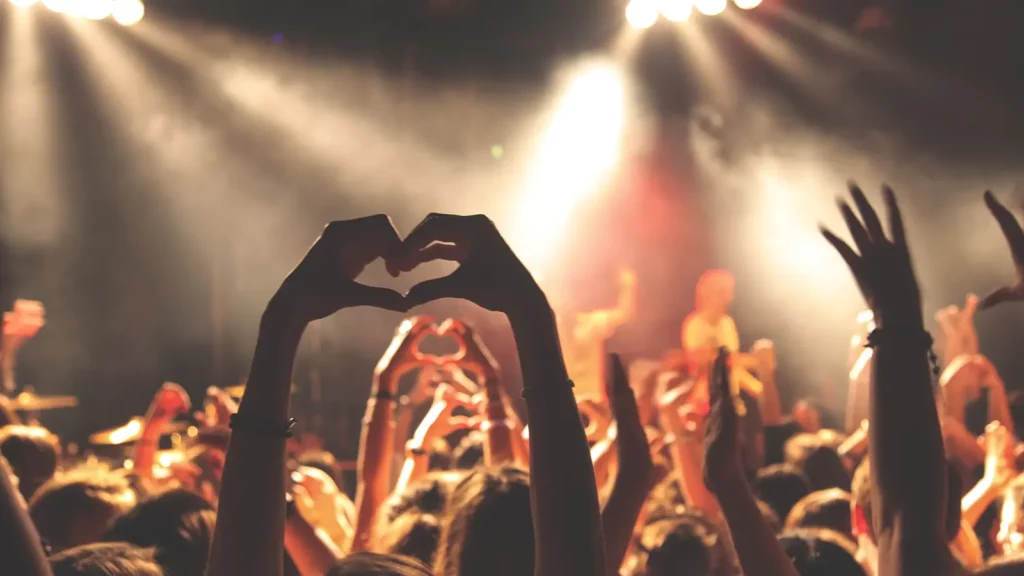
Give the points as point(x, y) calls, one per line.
point(128, 12)
point(710, 7)
point(747, 4)
point(95, 9)
point(642, 13)
point(22, 3)
point(676, 10)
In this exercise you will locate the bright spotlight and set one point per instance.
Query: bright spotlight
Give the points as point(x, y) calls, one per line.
point(128, 12)
point(22, 3)
point(710, 7)
point(676, 10)
point(95, 9)
point(747, 4)
point(642, 13)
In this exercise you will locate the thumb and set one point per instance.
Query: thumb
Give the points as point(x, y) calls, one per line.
point(377, 297)
point(433, 289)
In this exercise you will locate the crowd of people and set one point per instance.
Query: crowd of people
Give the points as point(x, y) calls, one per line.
point(688, 466)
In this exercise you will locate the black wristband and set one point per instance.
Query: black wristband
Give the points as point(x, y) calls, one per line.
point(922, 340)
point(384, 394)
point(241, 422)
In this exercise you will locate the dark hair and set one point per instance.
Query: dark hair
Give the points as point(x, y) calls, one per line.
point(821, 552)
point(33, 453)
point(107, 559)
point(685, 544)
point(178, 524)
point(429, 495)
point(470, 451)
point(861, 488)
point(412, 534)
point(78, 508)
point(781, 486)
point(488, 526)
point(823, 509)
point(368, 564)
point(820, 462)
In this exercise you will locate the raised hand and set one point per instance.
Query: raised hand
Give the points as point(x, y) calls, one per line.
point(489, 273)
point(882, 267)
point(722, 457)
point(169, 402)
point(403, 354)
point(324, 281)
point(1015, 238)
point(473, 353)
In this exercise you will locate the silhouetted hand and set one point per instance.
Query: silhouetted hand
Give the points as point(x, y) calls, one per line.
point(489, 274)
point(722, 457)
point(324, 281)
point(1015, 238)
point(882, 267)
point(633, 446)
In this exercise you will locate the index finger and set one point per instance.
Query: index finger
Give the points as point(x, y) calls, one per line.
point(1010, 227)
point(435, 228)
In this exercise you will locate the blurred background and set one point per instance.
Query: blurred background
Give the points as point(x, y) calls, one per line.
point(163, 165)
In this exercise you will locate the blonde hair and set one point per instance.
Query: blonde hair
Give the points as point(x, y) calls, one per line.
point(711, 281)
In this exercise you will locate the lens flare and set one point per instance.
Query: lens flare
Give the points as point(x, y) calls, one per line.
point(22, 3)
point(642, 13)
point(61, 6)
point(128, 12)
point(95, 9)
point(676, 10)
point(710, 7)
point(747, 4)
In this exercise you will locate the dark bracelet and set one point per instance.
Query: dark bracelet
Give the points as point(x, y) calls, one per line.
point(922, 339)
point(242, 422)
point(418, 451)
point(530, 389)
point(384, 394)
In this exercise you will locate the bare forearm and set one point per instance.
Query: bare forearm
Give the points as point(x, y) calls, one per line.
point(755, 543)
point(499, 427)
point(249, 536)
point(566, 515)
point(999, 407)
point(374, 468)
point(313, 554)
point(771, 406)
point(20, 547)
point(620, 513)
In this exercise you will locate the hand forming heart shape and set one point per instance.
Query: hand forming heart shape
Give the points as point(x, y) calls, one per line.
point(489, 273)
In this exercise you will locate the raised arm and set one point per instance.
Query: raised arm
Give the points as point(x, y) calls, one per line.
point(754, 540)
point(566, 516)
point(249, 537)
point(378, 437)
point(636, 468)
point(907, 460)
point(1015, 239)
point(170, 401)
point(20, 546)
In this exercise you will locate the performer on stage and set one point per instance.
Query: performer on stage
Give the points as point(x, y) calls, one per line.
point(583, 338)
point(708, 328)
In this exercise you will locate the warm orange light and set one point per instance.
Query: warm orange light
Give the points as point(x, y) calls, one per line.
point(710, 7)
point(642, 13)
point(22, 3)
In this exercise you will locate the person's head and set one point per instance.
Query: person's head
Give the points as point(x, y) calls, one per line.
point(821, 552)
point(428, 495)
point(684, 544)
point(715, 292)
point(807, 416)
point(781, 486)
point(821, 463)
point(178, 524)
point(860, 515)
point(33, 452)
point(488, 526)
point(412, 534)
point(368, 564)
point(823, 509)
point(325, 462)
point(470, 451)
point(107, 559)
point(78, 508)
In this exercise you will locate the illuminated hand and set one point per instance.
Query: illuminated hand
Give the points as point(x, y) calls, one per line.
point(473, 353)
point(403, 354)
point(489, 273)
point(1015, 238)
point(324, 281)
point(880, 266)
point(169, 402)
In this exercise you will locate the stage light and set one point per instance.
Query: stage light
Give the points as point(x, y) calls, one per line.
point(710, 7)
point(747, 4)
point(128, 12)
point(676, 10)
point(22, 3)
point(642, 13)
point(95, 9)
